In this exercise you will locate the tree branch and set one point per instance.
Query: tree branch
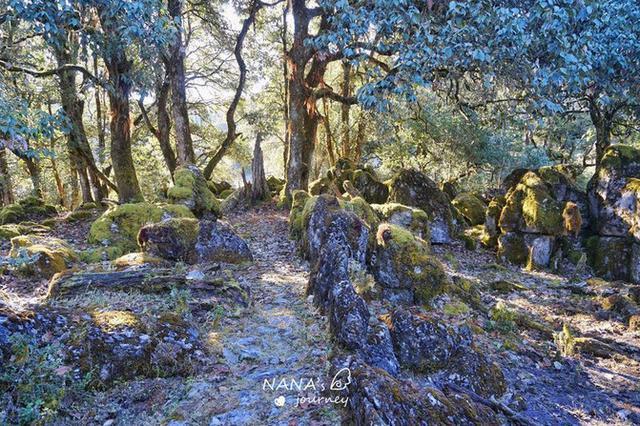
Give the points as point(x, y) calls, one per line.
point(56, 71)
point(325, 92)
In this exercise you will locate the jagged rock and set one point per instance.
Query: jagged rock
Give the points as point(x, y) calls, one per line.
point(533, 250)
point(411, 218)
point(376, 398)
point(48, 255)
point(610, 257)
point(472, 370)
point(193, 241)
point(191, 190)
point(372, 190)
point(29, 209)
point(316, 218)
point(341, 248)
point(404, 267)
point(118, 227)
point(348, 316)
point(423, 343)
point(412, 188)
point(378, 351)
point(118, 345)
point(470, 207)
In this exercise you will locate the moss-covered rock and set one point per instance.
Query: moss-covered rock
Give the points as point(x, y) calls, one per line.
point(412, 188)
point(372, 189)
point(218, 187)
point(191, 190)
point(411, 218)
point(404, 267)
point(136, 259)
point(320, 186)
point(193, 241)
point(449, 188)
point(470, 207)
point(28, 209)
point(50, 255)
point(512, 248)
point(492, 216)
point(610, 257)
point(530, 207)
point(24, 228)
point(298, 200)
point(275, 184)
point(100, 254)
point(119, 225)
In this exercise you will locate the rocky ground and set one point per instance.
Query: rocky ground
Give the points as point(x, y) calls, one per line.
point(262, 331)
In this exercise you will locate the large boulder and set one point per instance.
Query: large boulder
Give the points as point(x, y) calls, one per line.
point(372, 189)
point(43, 256)
point(191, 189)
point(472, 208)
point(193, 241)
point(423, 343)
point(348, 316)
point(412, 188)
point(275, 185)
point(28, 209)
point(118, 227)
point(117, 345)
point(377, 398)
point(404, 267)
point(24, 228)
point(411, 218)
point(533, 250)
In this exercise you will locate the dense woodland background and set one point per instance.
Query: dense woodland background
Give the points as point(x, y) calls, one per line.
point(111, 95)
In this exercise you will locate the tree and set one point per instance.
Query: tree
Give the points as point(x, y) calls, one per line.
point(553, 56)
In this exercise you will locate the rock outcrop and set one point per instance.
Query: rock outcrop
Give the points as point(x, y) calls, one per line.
point(118, 227)
point(42, 256)
point(412, 188)
point(472, 208)
point(531, 222)
point(29, 209)
point(191, 189)
point(410, 218)
point(614, 252)
point(193, 241)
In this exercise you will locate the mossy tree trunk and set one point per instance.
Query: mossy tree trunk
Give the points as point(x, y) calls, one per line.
point(602, 120)
point(33, 168)
point(162, 131)
point(6, 190)
point(175, 71)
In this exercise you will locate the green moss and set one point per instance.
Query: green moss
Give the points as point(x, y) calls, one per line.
point(225, 194)
point(52, 255)
point(456, 309)
point(619, 156)
point(413, 261)
point(512, 248)
point(11, 213)
point(411, 218)
point(363, 210)
point(298, 200)
point(119, 225)
point(503, 318)
point(191, 189)
point(470, 207)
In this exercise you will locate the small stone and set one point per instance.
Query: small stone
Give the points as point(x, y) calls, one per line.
point(557, 365)
point(195, 275)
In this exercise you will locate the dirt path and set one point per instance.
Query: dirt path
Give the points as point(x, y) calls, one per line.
point(279, 338)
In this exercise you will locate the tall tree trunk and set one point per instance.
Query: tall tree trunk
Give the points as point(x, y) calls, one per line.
point(33, 166)
point(285, 82)
point(124, 170)
point(259, 188)
point(176, 74)
point(162, 131)
point(62, 196)
point(102, 145)
point(602, 120)
point(6, 190)
point(77, 142)
point(303, 116)
point(344, 109)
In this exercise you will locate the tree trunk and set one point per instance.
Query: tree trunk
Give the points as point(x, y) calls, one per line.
point(259, 188)
point(102, 146)
point(6, 193)
point(33, 166)
point(162, 132)
point(344, 109)
point(62, 196)
point(176, 75)
point(602, 120)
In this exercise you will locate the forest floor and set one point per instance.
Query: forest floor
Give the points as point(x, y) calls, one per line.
point(278, 335)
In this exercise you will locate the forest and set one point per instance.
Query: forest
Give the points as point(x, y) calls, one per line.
point(319, 212)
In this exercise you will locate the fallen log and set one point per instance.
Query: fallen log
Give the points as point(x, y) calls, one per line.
point(145, 280)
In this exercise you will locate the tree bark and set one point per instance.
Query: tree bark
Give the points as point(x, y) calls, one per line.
point(345, 108)
point(102, 146)
point(6, 190)
point(602, 120)
point(259, 188)
point(162, 132)
point(176, 74)
point(231, 111)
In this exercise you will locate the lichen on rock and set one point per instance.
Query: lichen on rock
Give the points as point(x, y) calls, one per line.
point(411, 218)
point(191, 189)
point(472, 208)
point(51, 255)
point(119, 225)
